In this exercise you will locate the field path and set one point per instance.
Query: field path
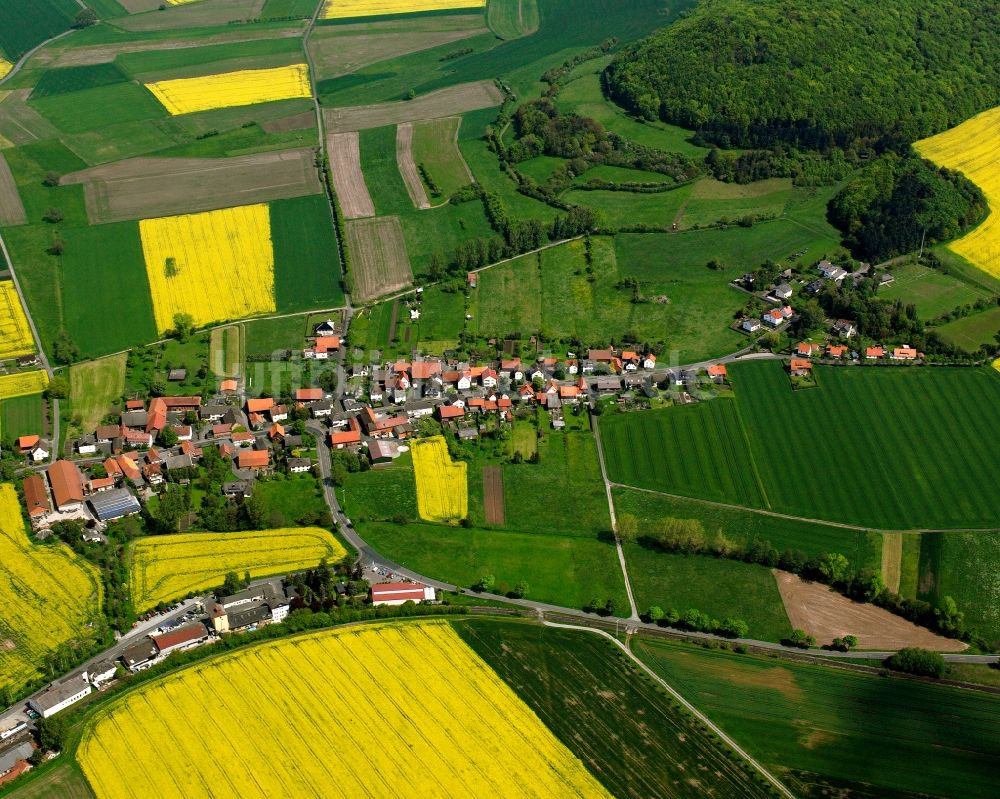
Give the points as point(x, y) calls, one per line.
point(614, 521)
point(407, 167)
point(767, 775)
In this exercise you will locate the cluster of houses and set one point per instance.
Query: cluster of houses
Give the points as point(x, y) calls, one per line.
point(801, 363)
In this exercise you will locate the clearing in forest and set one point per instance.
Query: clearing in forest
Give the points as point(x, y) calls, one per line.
point(348, 179)
point(974, 149)
point(229, 89)
point(379, 262)
point(214, 266)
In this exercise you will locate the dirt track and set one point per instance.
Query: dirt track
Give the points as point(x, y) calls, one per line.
point(822, 612)
point(140, 188)
point(493, 507)
point(348, 179)
point(442, 103)
point(11, 207)
point(378, 255)
point(407, 167)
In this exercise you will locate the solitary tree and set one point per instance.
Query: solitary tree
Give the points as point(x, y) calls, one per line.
point(85, 17)
point(231, 584)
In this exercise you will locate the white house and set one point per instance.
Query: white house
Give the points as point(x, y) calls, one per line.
point(102, 672)
point(774, 317)
point(649, 362)
point(488, 378)
point(59, 696)
point(751, 325)
point(40, 452)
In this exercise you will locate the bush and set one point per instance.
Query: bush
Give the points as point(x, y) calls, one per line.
point(914, 660)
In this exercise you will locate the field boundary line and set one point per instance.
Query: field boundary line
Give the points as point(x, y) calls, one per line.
point(774, 781)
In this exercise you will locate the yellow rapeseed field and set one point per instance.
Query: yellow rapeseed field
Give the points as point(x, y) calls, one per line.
point(442, 492)
point(973, 148)
point(342, 9)
point(22, 384)
point(15, 335)
point(48, 595)
point(228, 89)
point(167, 567)
point(368, 711)
point(5, 67)
point(216, 265)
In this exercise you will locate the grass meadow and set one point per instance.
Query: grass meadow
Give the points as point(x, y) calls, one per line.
point(972, 332)
point(96, 386)
point(435, 148)
point(872, 439)
point(933, 292)
point(714, 586)
point(825, 730)
point(22, 416)
point(306, 262)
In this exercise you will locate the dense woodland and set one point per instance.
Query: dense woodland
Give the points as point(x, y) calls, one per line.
point(845, 73)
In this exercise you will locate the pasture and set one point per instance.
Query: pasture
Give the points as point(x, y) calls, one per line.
point(724, 450)
point(228, 249)
point(50, 595)
point(817, 727)
point(655, 746)
point(264, 336)
point(623, 209)
point(971, 148)
point(428, 709)
point(225, 353)
point(380, 264)
point(348, 180)
point(933, 291)
point(972, 332)
point(716, 586)
point(95, 388)
point(512, 19)
point(140, 188)
point(307, 272)
point(687, 307)
point(442, 103)
point(435, 147)
point(163, 568)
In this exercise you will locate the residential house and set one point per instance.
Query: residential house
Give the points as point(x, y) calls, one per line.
point(379, 425)
point(279, 413)
point(717, 372)
point(649, 361)
point(238, 488)
point(86, 444)
point(488, 378)
point(836, 350)
point(299, 465)
point(27, 443)
point(800, 367)
point(36, 498)
point(874, 353)
point(844, 328)
point(107, 433)
point(603, 385)
point(345, 439)
point(322, 347)
point(327, 328)
point(425, 370)
point(904, 354)
point(783, 291)
point(831, 271)
point(67, 486)
point(321, 409)
point(751, 325)
point(449, 412)
point(97, 485)
point(214, 411)
point(773, 317)
point(256, 459)
point(814, 287)
point(262, 405)
point(807, 349)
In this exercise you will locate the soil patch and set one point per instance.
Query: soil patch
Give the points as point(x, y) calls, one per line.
point(407, 167)
point(143, 188)
point(442, 103)
point(379, 261)
point(22, 124)
point(11, 207)
point(493, 506)
point(348, 179)
point(303, 121)
point(822, 612)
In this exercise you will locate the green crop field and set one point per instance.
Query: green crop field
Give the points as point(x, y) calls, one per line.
point(22, 416)
point(630, 734)
point(890, 425)
point(64, 780)
point(825, 730)
point(511, 19)
point(744, 527)
point(264, 336)
point(562, 570)
point(74, 79)
point(96, 386)
point(621, 209)
point(552, 292)
point(306, 264)
point(714, 586)
point(94, 109)
point(931, 290)
point(192, 61)
point(25, 25)
point(283, 9)
point(972, 332)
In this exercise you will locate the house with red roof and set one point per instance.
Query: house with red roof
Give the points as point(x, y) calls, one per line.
point(308, 394)
point(806, 349)
point(322, 347)
point(256, 459)
point(397, 593)
point(904, 354)
point(800, 367)
point(874, 353)
point(448, 412)
point(718, 372)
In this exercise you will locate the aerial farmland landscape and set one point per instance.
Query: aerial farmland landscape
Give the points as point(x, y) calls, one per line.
point(526, 398)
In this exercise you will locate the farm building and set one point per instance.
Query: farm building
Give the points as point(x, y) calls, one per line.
point(383, 451)
point(398, 593)
point(114, 504)
point(59, 696)
point(140, 655)
point(67, 486)
point(183, 637)
point(447, 412)
point(36, 498)
point(254, 459)
point(14, 762)
point(308, 394)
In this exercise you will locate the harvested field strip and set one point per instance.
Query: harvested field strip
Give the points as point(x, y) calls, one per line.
point(11, 207)
point(20, 122)
point(214, 266)
point(229, 89)
point(974, 149)
point(348, 9)
point(442, 103)
point(139, 188)
point(407, 167)
point(167, 567)
point(348, 179)
point(95, 387)
point(378, 256)
point(442, 488)
point(493, 495)
point(15, 334)
point(820, 611)
point(892, 556)
point(424, 694)
point(225, 354)
point(48, 593)
point(21, 384)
